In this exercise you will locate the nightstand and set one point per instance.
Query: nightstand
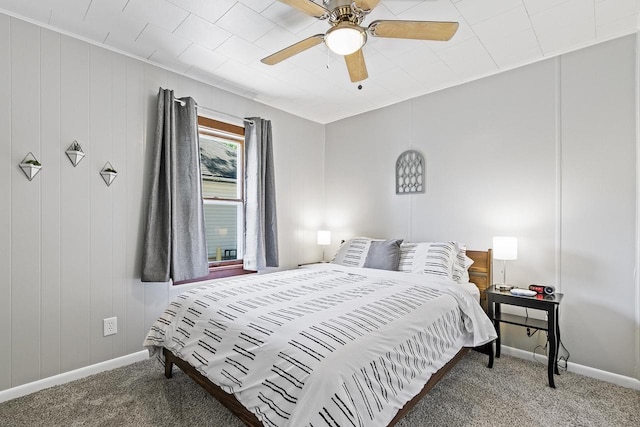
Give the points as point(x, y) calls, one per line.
point(548, 303)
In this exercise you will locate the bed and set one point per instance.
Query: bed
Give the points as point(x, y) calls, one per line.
point(324, 344)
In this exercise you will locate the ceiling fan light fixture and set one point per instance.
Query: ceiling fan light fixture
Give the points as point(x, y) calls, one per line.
point(345, 38)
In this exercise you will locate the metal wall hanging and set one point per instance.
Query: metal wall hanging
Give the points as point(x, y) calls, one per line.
point(30, 166)
point(410, 173)
point(108, 173)
point(75, 153)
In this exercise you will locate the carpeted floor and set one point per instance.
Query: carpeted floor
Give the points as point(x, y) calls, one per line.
point(514, 393)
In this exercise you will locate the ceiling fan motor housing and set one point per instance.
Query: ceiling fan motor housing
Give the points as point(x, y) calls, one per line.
point(344, 11)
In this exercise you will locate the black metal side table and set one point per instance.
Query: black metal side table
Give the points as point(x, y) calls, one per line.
point(548, 303)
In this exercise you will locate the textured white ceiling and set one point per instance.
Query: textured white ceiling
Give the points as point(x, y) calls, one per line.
point(221, 42)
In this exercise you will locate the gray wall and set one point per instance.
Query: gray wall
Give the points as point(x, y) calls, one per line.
point(70, 245)
point(547, 153)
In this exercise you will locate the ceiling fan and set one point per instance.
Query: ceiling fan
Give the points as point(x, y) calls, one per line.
point(346, 37)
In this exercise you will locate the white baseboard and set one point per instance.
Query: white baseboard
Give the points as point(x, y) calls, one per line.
point(77, 374)
point(587, 371)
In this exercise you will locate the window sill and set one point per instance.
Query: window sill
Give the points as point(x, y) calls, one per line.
point(218, 270)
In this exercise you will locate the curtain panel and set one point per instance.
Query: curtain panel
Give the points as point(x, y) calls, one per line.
point(175, 245)
point(261, 230)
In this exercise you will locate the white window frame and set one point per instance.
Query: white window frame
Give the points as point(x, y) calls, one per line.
point(227, 132)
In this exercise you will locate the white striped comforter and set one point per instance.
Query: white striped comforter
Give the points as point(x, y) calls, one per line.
point(326, 345)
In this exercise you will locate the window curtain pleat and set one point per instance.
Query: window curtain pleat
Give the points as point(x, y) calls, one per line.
point(261, 229)
point(175, 245)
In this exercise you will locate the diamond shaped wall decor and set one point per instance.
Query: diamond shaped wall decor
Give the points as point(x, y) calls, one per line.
point(30, 166)
point(75, 153)
point(108, 174)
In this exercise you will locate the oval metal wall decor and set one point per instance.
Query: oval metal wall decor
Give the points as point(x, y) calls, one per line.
point(410, 173)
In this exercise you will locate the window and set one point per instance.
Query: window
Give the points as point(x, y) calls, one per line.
point(222, 167)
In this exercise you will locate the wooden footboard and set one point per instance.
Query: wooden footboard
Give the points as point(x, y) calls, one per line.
point(231, 403)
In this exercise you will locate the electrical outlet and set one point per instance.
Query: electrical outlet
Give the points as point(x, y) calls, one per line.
point(110, 326)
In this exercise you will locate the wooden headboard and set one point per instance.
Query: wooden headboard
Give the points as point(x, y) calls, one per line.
point(480, 272)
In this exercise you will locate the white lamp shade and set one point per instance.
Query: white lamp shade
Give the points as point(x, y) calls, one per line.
point(345, 39)
point(324, 237)
point(505, 248)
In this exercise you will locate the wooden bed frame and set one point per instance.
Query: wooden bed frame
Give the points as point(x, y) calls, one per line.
point(479, 274)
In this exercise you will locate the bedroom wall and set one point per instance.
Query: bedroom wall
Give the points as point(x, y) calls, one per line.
point(545, 152)
point(70, 245)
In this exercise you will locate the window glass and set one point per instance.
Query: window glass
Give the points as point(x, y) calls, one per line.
point(221, 163)
point(219, 160)
point(221, 224)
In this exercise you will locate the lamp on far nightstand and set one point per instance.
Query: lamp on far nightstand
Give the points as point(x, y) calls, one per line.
point(505, 249)
point(324, 239)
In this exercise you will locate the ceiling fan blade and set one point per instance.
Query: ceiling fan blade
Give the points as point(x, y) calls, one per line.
point(419, 30)
point(294, 49)
point(308, 7)
point(366, 5)
point(356, 66)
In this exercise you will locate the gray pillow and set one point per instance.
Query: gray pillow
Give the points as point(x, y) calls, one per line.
point(383, 254)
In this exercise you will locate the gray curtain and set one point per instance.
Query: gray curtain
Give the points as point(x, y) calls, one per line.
point(261, 230)
point(175, 245)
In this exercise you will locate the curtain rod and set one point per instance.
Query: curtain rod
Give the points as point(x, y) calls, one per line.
point(181, 102)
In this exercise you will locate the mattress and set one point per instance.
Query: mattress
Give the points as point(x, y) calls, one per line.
point(324, 344)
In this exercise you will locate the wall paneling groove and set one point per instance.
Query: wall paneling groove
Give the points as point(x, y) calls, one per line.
point(544, 152)
point(70, 246)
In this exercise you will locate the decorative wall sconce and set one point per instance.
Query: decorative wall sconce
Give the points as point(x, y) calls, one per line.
point(30, 166)
point(75, 153)
point(410, 173)
point(108, 173)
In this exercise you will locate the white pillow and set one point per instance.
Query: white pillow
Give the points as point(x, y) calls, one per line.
point(432, 258)
point(461, 264)
point(353, 252)
point(407, 255)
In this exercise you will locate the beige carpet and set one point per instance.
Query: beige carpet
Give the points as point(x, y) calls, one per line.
point(514, 393)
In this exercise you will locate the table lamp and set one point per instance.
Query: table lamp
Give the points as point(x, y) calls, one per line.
point(324, 239)
point(505, 249)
